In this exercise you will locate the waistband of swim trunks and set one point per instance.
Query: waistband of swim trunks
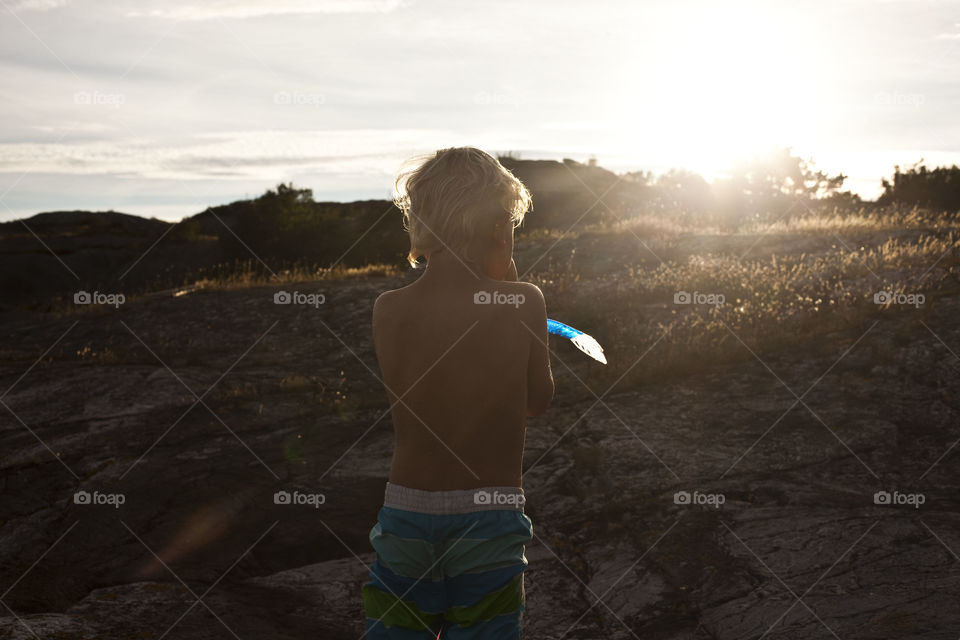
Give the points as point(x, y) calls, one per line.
point(456, 501)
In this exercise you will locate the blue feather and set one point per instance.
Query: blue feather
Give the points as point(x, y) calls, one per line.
point(581, 341)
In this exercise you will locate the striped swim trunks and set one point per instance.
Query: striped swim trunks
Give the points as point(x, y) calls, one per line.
point(449, 564)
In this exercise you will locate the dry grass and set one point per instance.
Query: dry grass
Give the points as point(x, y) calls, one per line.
point(772, 301)
point(251, 274)
point(105, 356)
point(862, 220)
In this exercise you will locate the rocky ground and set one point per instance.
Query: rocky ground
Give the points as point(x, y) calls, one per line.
point(106, 400)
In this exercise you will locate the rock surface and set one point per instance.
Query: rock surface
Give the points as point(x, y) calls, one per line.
point(797, 549)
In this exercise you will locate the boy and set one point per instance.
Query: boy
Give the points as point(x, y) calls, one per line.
point(464, 358)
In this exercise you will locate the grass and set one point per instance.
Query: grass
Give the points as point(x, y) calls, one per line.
point(771, 300)
point(233, 276)
point(861, 220)
point(251, 274)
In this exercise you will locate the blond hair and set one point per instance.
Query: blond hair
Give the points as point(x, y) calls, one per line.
point(454, 195)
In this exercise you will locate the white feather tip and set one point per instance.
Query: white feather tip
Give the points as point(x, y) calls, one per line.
point(590, 346)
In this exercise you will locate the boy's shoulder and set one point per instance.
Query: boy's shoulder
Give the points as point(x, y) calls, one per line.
point(396, 299)
point(523, 295)
point(529, 289)
point(387, 299)
point(513, 286)
point(395, 294)
point(532, 289)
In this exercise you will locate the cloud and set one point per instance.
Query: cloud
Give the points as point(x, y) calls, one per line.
point(257, 8)
point(241, 154)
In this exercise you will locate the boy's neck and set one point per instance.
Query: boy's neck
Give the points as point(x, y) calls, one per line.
point(444, 265)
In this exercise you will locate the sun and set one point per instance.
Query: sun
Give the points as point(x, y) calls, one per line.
point(728, 80)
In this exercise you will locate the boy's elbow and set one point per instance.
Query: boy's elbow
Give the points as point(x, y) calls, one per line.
point(539, 404)
point(534, 411)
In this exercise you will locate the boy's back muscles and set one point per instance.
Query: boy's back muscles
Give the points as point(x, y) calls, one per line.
point(462, 373)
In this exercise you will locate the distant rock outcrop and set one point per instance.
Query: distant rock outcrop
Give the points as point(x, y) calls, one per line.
point(58, 253)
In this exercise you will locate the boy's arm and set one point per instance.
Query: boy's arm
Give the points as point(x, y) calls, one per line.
point(539, 377)
point(377, 311)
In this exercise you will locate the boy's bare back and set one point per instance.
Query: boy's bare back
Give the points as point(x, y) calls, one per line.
point(463, 353)
point(467, 376)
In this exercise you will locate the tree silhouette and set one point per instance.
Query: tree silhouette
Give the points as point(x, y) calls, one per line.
point(281, 225)
point(937, 188)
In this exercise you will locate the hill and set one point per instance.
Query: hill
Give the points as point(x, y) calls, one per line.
point(51, 255)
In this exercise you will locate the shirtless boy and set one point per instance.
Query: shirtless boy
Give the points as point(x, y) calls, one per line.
point(463, 354)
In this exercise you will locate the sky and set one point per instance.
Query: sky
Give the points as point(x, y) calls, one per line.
point(161, 108)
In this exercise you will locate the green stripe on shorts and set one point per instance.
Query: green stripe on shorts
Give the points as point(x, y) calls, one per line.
point(391, 610)
point(507, 599)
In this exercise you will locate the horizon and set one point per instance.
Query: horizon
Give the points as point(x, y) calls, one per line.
point(359, 198)
point(197, 105)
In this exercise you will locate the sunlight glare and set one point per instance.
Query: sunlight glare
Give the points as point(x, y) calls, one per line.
point(728, 81)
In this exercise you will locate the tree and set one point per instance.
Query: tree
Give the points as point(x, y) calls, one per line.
point(778, 173)
point(937, 188)
point(684, 192)
point(280, 225)
point(771, 184)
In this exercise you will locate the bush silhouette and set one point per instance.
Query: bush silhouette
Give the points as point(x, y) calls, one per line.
point(937, 189)
point(285, 226)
